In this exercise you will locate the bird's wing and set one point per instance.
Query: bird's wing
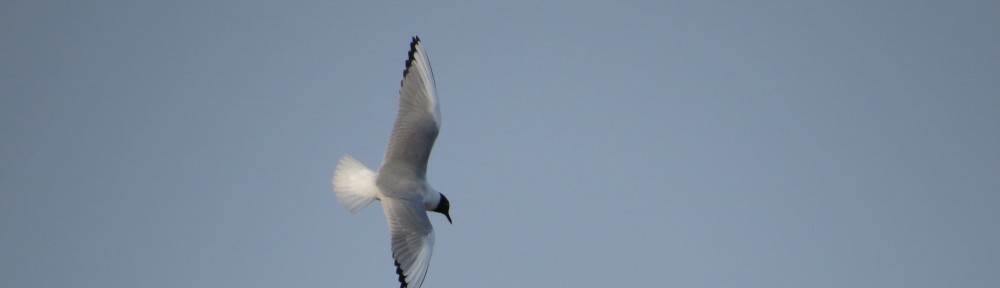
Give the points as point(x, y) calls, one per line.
point(418, 120)
point(412, 239)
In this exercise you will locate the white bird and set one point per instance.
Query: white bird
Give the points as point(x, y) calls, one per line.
point(401, 183)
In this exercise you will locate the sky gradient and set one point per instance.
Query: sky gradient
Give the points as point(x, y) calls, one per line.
point(625, 144)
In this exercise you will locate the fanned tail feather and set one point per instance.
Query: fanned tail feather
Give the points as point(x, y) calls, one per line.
point(354, 184)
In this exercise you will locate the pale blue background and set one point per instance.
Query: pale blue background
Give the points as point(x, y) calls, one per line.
point(585, 144)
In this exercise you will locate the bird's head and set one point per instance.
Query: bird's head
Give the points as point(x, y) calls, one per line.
point(443, 206)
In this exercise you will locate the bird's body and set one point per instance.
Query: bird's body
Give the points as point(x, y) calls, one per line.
point(401, 183)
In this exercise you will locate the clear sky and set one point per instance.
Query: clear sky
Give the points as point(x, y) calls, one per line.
point(584, 144)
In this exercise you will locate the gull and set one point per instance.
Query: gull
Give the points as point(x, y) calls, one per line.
point(401, 182)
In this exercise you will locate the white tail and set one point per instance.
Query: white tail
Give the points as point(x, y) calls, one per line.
point(354, 184)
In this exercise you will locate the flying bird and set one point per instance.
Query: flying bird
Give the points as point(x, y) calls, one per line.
point(401, 182)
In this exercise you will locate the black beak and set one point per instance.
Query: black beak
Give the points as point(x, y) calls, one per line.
point(449, 217)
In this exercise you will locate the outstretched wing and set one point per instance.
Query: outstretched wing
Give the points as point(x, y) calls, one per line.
point(418, 120)
point(412, 239)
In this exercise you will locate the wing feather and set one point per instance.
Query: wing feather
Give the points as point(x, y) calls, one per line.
point(418, 119)
point(412, 239)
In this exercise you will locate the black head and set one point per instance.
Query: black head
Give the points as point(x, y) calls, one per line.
point(443, 207)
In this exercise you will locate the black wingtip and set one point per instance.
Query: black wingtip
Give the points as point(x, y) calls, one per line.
point(411, 56)
point(402, 278)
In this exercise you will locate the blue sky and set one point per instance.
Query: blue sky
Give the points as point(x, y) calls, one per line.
point(625, 144)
